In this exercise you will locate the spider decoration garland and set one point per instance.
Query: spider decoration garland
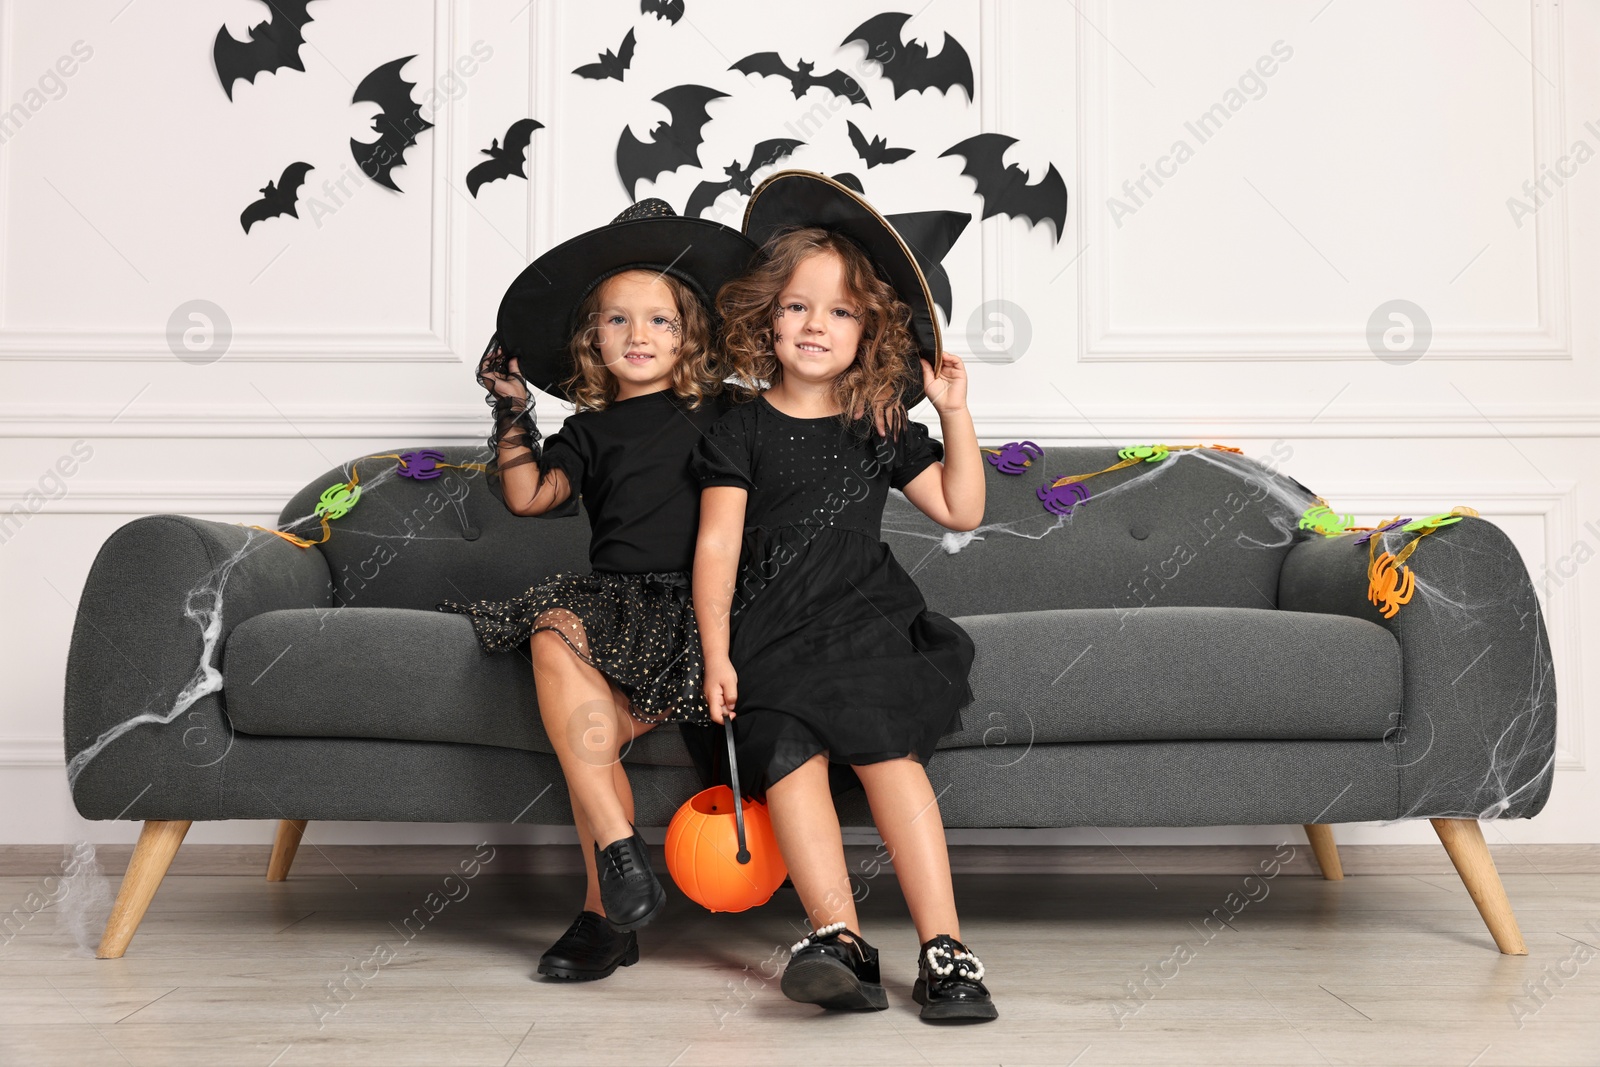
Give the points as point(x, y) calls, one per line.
point(1063, 494)
point(336, 501)
point(1390, 583)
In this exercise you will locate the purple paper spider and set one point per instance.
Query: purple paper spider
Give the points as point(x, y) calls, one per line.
point(420, 465)
point(1061, 499)
point(1015, 456)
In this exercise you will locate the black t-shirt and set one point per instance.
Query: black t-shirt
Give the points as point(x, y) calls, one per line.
point(630, 464)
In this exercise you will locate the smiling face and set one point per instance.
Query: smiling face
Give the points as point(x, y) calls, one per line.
point(638, 329)
point(817, 327)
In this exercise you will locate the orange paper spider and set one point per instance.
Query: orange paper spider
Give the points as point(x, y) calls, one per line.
point(1388, 585)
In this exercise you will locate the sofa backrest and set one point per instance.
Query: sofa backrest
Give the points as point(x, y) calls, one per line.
point(1197, 529)
point(1200, 528)
point(412, 544)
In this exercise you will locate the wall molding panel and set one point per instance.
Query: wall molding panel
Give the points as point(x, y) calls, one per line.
point(1101, 340)
point(444, 341)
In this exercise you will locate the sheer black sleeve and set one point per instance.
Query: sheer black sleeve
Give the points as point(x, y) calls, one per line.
point(511, 400)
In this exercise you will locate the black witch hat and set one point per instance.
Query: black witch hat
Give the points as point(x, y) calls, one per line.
point(539, 312)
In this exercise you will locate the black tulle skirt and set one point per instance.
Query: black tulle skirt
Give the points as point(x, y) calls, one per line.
point(636, 629)
point(836, 652)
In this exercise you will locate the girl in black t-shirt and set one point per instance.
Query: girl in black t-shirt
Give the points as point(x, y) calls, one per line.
point(618, 320)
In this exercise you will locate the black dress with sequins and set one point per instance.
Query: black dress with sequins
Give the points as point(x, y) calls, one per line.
point(631, 617)
point(835, 648)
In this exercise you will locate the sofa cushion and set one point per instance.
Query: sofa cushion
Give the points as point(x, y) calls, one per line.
point(1178, 674)
point(1040, 677)
point(391, 673)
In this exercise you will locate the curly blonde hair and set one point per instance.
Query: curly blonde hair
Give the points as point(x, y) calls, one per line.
point(749, 305)
point(695, 376)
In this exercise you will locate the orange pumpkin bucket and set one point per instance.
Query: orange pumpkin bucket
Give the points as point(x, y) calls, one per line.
point(723, 852)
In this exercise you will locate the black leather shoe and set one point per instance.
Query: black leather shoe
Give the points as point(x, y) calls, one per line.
point(950, 984)
point(628, 887)
point(589, 950)
point(827, 970)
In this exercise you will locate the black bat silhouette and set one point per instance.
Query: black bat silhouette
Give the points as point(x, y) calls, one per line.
point(1005, 189)
point(906, 64)
point(397, 124)
point(273, 45)
point(505, 161)
point(671, 10)
point(801, 78)
point(612, 64)
point(277, 198)
point(674, 143)
point(877, 150)
point(740, 177)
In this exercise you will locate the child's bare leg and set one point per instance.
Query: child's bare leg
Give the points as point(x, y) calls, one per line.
point(835, 970)
point(586, 729)
point(906, 812)
point(586, 840)
point(803, 816)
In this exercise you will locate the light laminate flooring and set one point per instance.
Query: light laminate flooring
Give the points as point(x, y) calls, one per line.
point(1372, 970)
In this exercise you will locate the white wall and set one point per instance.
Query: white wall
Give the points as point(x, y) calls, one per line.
point(1228, 304)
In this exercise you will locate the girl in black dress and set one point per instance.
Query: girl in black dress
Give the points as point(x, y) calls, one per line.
point(618, 320)
point(809, 626)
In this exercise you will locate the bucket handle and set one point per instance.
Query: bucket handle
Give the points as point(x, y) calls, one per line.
point(738, 800)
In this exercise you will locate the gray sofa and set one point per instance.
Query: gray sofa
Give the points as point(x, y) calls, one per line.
point(1178, 652)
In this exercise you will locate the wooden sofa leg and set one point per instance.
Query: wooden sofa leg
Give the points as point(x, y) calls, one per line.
point(1327, 853)
point(158, 843)
point(284, 846)
point(1463, 839)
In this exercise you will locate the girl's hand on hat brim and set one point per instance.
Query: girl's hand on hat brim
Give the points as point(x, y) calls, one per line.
point(947, 388)
point(507, 383)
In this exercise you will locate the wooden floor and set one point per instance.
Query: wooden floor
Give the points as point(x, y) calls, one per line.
point(1391, 969)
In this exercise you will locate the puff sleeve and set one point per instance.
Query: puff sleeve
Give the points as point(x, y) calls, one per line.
point(723, 454)
point(563, 451)
point(914, 453)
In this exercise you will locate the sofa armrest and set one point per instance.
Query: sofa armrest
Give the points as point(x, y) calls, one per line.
point(146, 734)
point(1478, 714)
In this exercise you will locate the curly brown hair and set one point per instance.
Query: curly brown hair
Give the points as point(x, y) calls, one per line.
point(749, 306)
point(694, 377)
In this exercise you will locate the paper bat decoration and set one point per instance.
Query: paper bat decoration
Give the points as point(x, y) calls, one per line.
point(739, 177)
point(273, 45)
point(907, 65)
point(674, 143)
point(505, 161)
point(801, 78)
point(1005, 190)
point(671, 10)
point(877, 150)
point(851, 181)
point(397, 124)
point(277, 198)
point(611, 64)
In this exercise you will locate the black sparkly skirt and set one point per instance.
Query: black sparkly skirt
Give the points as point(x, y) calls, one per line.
point(636, 629)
